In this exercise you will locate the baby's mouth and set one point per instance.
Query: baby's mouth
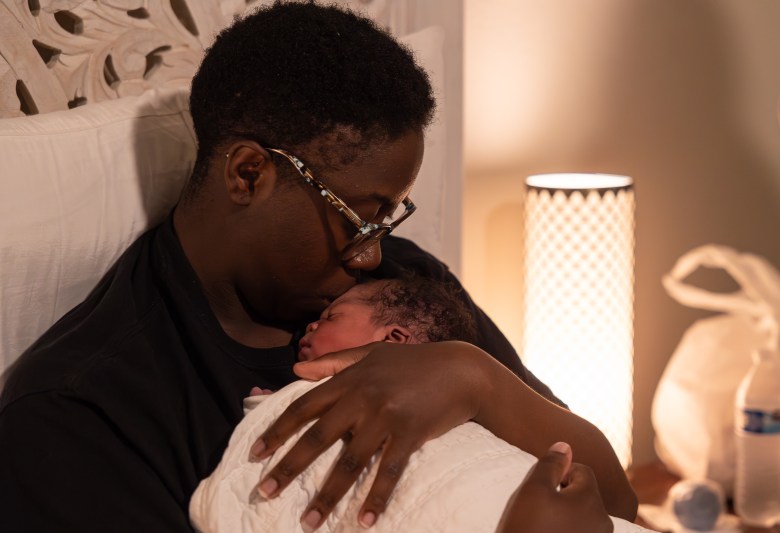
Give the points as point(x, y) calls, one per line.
point(303, 349)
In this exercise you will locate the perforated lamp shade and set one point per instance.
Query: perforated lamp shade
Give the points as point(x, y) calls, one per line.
point(579, 295)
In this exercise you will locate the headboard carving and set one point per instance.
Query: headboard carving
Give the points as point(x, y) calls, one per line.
point(57, 54)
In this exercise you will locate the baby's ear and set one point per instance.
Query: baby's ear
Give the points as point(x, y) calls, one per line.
point(399, 334)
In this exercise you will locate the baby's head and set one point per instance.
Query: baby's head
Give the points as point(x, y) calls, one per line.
point(409, 310)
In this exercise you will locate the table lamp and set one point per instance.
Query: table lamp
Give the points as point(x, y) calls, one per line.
point(579, 295)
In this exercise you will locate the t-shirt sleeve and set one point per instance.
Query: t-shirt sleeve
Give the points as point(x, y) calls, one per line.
point(63, 467)
point(399, 254)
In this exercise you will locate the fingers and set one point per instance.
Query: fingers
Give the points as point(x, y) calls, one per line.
point(310, 405)
point(315, 440)
point(537, 507)
point(391, 467)
point(579, 479)
point(553, 466)
point(351, 463)
point(345, 472)
point(581, 487)
point(357, 453)
point(561, 449)
point(330, 364)
point(390, 398)
point(299, 412)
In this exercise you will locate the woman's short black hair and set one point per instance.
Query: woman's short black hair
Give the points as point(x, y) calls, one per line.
point(432, 310)
point(294, 72)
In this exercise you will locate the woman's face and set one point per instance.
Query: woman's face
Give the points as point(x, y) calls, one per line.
point(346, 323)
point(293, 267)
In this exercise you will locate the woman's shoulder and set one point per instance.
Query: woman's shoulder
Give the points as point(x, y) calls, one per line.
point(399, 254)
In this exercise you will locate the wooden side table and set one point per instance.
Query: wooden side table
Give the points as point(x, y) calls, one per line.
point(652, 482)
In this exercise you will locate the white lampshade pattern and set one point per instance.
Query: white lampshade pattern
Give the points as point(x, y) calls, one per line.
point(579, 296)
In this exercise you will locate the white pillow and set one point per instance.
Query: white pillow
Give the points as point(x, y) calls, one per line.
point(77, 188)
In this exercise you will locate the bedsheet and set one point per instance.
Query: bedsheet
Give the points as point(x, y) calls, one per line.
point(460, 481)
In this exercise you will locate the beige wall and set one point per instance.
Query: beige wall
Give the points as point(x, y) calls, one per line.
point(680, 94)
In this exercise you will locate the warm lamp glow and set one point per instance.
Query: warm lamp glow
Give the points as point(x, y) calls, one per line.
point(581, 182)
point(579, 283)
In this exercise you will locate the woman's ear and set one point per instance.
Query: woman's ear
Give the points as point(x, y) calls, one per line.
point(399, 334)
point(250, 174)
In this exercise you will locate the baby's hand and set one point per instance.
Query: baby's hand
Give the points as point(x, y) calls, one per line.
point(257, 391)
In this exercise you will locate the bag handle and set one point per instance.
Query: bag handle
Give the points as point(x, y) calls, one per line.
point(759, 294)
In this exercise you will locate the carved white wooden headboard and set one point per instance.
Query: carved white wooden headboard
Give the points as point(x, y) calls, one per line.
point(61, 54)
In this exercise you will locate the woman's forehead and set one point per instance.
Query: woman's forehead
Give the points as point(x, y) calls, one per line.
point(384, 172)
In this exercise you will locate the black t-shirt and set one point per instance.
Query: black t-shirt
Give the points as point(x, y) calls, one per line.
point(110, 420)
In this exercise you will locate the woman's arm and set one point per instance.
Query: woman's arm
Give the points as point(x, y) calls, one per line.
point(400, 255)
point(534, 424)
point(396, 397)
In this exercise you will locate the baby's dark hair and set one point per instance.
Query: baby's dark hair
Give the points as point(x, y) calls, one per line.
point(432, 310)
point(295, 72)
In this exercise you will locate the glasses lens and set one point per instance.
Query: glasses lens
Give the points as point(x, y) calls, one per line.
point(397, 214)
point(363, 242)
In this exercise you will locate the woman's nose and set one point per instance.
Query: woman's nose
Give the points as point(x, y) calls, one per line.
point(368, 259)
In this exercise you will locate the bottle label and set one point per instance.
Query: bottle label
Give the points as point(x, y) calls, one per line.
point(759, 421)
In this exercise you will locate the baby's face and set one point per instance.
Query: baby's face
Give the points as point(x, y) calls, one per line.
point(346, 323)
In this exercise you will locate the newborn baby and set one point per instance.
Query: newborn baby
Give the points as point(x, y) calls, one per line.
point(460, 481)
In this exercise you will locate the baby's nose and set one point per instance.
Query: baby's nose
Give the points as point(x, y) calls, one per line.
point(311, 327)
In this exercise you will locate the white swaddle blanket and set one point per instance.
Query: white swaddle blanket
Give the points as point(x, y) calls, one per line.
point(460, 481)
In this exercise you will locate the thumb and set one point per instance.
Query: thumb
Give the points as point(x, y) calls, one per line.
point(553, 466)
point(330, 364)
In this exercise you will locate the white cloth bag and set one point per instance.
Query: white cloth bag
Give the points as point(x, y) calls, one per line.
point(693, 407)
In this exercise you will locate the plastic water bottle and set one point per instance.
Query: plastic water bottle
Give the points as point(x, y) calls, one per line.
point(757, 426)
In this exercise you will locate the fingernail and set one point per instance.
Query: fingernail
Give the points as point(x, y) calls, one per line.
point(267, 487)
point(311, 520)
point(560, 447)
point(255, 391)
point(368, 519)
point(257, 448)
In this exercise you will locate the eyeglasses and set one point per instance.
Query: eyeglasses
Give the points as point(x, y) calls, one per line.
point(368, 233)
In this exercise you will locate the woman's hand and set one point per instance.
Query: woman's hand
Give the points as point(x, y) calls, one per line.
point(394, 398)
point(539, 507)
